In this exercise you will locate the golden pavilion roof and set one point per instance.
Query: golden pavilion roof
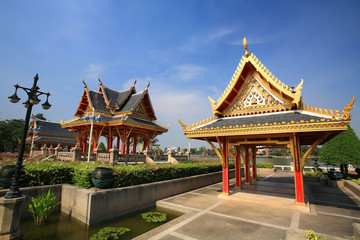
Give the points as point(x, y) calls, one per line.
point(126, 107)
point(255, 102)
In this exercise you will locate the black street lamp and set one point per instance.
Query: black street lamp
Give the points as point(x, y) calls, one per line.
point(33, 94)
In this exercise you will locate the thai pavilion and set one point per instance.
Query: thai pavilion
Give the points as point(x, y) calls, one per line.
point(127, 116)
point(258, 110)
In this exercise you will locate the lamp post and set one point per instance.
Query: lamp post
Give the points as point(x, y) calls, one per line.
point(33, 94)
point(92, 118)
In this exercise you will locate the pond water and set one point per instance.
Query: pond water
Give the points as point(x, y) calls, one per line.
point(61, 226)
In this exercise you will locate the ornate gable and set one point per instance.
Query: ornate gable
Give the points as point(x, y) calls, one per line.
point(253, 89)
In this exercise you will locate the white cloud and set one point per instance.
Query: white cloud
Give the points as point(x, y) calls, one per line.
point(221, 33)
point(186, 72)
point(92, 71)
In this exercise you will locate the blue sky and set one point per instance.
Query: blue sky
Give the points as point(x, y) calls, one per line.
point(188, 50)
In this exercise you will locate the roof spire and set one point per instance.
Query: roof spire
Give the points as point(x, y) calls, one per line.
point(99, 79)
point(247, 54)
point(85, 86)
point(148, 86)
point(134, 82)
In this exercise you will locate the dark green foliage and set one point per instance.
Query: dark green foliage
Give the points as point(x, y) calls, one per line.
point(342, 149)
point(42, 207)
point(79, 173)
point(40, 116)
point(264, 165)
point(47, 173)
point(10, 132)
point(102, 147)
point(109, 233)
point(154, 217)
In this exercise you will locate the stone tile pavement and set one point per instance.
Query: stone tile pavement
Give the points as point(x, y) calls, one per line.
point(263, 210)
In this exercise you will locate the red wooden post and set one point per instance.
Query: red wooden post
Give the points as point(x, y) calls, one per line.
point(253, 150)
point(225, 166)
point(247, 166)
point(134, 144)
point(118, 142)
point(237, 168)
point(128, 146)
point(84, 144)
point(298, 176)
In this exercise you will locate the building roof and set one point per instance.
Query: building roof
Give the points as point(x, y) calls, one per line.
point(52, 141)
point(255, 102)
point(51, 129)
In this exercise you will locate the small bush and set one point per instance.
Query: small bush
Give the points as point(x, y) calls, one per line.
point(356, 181)
point(264, 165)
point(109, 233)
point(317, 174)
point(154, 217)
point(311, 236)
point(42, 207)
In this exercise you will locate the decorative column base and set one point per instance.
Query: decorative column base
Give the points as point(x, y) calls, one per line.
point(10, 218)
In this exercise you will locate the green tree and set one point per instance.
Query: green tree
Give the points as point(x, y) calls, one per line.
point(10, 133)
point(343, 149)
point(102, 147)
point(40, 116)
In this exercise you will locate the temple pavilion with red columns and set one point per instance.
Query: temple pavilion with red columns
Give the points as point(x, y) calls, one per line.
point(257, 110)
point(122, 117)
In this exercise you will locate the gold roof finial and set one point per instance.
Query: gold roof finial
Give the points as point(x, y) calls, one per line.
point(247, 54)
point(99, 79)
point(84, 82)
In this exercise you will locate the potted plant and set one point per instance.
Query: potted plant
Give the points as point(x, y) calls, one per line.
point(102, 177)
point(6, 175)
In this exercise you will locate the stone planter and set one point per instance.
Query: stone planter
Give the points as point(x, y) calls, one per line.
point(324, 181)
point(102, 177)
point(6, 175)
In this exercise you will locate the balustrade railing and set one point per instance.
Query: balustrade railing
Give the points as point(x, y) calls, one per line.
point(65, 156)
point(131, 158)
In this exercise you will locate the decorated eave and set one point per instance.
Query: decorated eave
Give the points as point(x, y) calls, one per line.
point(116, 108)
point(255, 102)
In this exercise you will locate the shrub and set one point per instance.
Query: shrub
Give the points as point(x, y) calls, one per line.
point(264, 165)
point(109, 233)
point(311, 236)
point(356, 181)
point(42, 207)
point(317, 174)
point(154, 217)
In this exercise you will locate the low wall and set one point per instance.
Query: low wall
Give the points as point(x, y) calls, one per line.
point(354, 187)
point(30, 192)
point(91, 206)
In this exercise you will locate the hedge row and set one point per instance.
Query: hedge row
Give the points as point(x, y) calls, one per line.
point(79, 174)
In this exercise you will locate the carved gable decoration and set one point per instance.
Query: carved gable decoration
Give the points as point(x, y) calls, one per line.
point(254, 95)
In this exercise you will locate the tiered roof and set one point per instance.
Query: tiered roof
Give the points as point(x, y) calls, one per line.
point(256, 102)
point(117, 107)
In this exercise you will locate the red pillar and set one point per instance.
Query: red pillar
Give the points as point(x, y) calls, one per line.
point(84, 144)
point(299, 183)
point(253, 151)
point(225, 170)
point(247, 166)
point(118, 142)
point(128, 146)
point(134, 144)
point(237, 168)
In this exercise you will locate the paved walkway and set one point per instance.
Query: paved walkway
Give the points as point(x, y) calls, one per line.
point(263, 210)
